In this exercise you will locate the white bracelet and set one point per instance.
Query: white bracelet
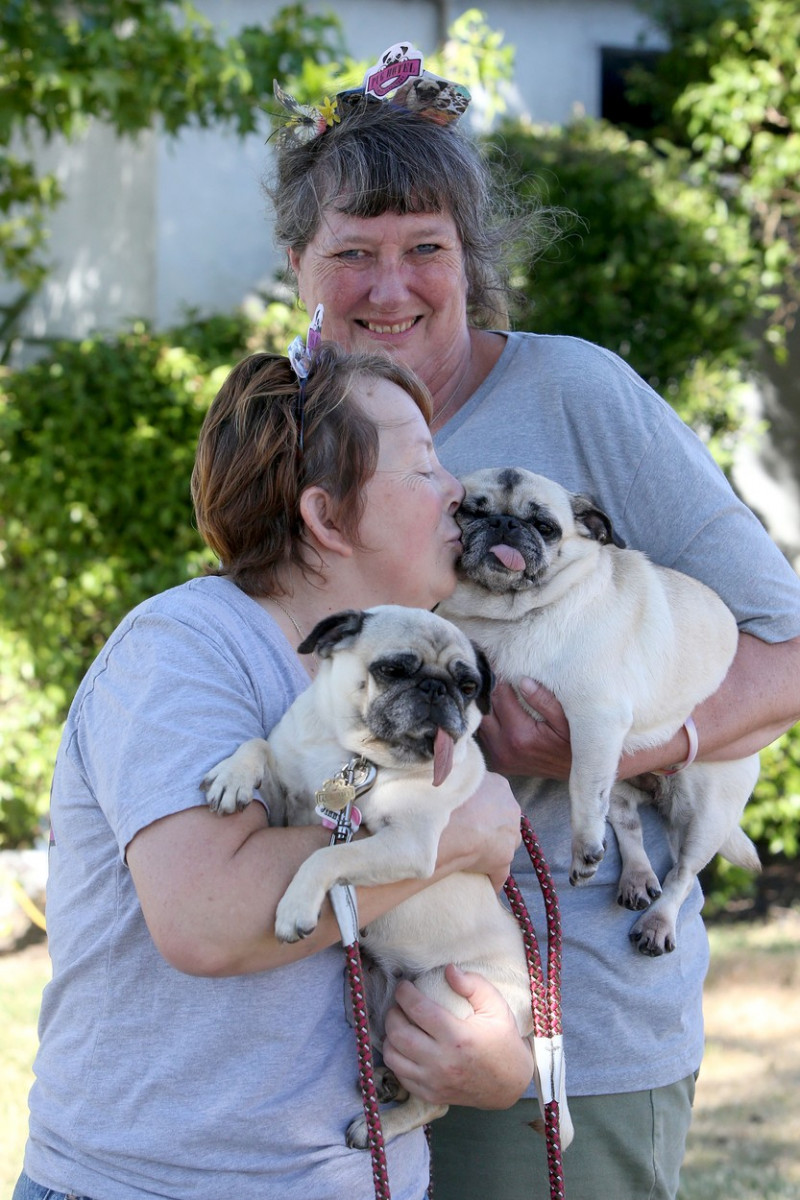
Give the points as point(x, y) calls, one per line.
point(691, 733)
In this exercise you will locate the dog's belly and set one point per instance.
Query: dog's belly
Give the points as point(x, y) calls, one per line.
point(457, 920)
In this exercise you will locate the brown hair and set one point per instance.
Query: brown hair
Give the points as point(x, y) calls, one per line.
point(249, 473)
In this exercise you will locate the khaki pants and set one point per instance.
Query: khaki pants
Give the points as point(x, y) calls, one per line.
point(626, 1147)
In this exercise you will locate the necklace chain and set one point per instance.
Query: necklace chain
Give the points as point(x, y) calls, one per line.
point(274, 600)
point(437, 416)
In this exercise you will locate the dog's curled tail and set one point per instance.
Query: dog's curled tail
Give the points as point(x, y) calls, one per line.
point(739, 850)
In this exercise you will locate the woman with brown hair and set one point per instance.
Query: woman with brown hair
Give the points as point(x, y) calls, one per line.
point(184, 1050)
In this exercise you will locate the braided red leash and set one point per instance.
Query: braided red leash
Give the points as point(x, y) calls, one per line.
point(359, 775)
point(545, 998)
point(545, 1006)
point(369, 1095)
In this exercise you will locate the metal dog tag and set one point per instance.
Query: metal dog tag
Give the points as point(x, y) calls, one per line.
point(335, 794)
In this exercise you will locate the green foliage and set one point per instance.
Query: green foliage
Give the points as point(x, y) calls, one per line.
point(650, 264)
point(29, 727)
point(729, 91)
point(96, 450)
point(772, 819)
point(474, 55)
point(127, 63)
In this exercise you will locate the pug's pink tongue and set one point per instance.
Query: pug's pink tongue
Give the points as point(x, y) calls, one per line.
point(442, 757)
point(509, 557)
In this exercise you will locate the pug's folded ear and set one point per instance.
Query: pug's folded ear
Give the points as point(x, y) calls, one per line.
point(484, 698)
point(331, 632)
point(596, 523)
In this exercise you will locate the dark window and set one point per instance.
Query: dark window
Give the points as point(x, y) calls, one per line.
point(614, 103)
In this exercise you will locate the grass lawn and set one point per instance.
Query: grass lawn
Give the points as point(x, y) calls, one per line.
point(746, 1129)
point(22, 977)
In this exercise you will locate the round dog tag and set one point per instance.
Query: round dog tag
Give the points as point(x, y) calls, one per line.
point(335, 794)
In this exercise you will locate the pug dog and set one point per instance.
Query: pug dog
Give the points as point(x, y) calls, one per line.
point(404, 690)
point(629, 649)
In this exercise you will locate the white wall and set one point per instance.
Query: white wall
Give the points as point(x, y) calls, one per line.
point(153, 228)
point(102, 237)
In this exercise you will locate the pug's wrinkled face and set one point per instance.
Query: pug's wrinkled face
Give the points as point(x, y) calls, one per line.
point(408, 684)
point(518, 528)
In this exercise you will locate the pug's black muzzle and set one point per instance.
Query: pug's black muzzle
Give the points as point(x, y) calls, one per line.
point(408, 718)
point(479, 564)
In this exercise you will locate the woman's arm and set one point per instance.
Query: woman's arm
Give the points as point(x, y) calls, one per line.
point(209, 886)
point(759, 699)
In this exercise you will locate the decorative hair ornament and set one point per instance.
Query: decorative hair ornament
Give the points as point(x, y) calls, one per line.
point(299, 353)
point(398, 78)
point(305, 122)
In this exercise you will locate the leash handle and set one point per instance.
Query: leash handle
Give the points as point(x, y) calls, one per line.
point(545, 1004)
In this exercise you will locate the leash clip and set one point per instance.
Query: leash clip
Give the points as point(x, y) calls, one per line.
point(355, 777)
point(335, 799)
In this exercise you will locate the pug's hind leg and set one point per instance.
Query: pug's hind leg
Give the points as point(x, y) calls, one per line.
point(596, 749)
point(638, 883)
point(411, 1114)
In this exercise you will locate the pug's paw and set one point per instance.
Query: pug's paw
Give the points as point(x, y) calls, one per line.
point(297, 914)
point(357, 1137)
point(388, 1087)
point(654, 933)
point(229, 786)
point(586, 857)
point(638, 889)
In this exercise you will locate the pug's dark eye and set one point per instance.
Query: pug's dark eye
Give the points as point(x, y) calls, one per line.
point(402, 666)
point(469, 688)
point(392, 671)
point(473, 506)
point(548, 529)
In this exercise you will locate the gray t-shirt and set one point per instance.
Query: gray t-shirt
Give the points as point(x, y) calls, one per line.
point(152, 1083)
point(578, 414)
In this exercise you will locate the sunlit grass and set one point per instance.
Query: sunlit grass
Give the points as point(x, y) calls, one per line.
point(22, 978)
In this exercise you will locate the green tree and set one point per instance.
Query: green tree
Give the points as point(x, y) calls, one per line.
point(649, 263)
point(129, 63)
point(728, 91)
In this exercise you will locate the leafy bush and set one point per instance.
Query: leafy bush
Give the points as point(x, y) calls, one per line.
point(650, 264)
point(96, 450)
point(773, 817)
point(728, 91)
point(127, 63)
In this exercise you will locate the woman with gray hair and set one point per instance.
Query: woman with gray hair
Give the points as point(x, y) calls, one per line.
point(390, 218)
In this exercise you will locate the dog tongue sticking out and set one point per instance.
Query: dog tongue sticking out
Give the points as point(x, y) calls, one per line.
point(442, 757)
point(509, 557)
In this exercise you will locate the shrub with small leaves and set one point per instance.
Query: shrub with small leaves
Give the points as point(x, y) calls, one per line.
point(97, 444)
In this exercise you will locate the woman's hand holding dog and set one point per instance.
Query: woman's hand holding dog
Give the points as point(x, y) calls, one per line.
point(517, 743)
point(480, 1061)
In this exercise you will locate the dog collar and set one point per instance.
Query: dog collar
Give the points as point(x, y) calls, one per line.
point(335, 799)
point(330, 817)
